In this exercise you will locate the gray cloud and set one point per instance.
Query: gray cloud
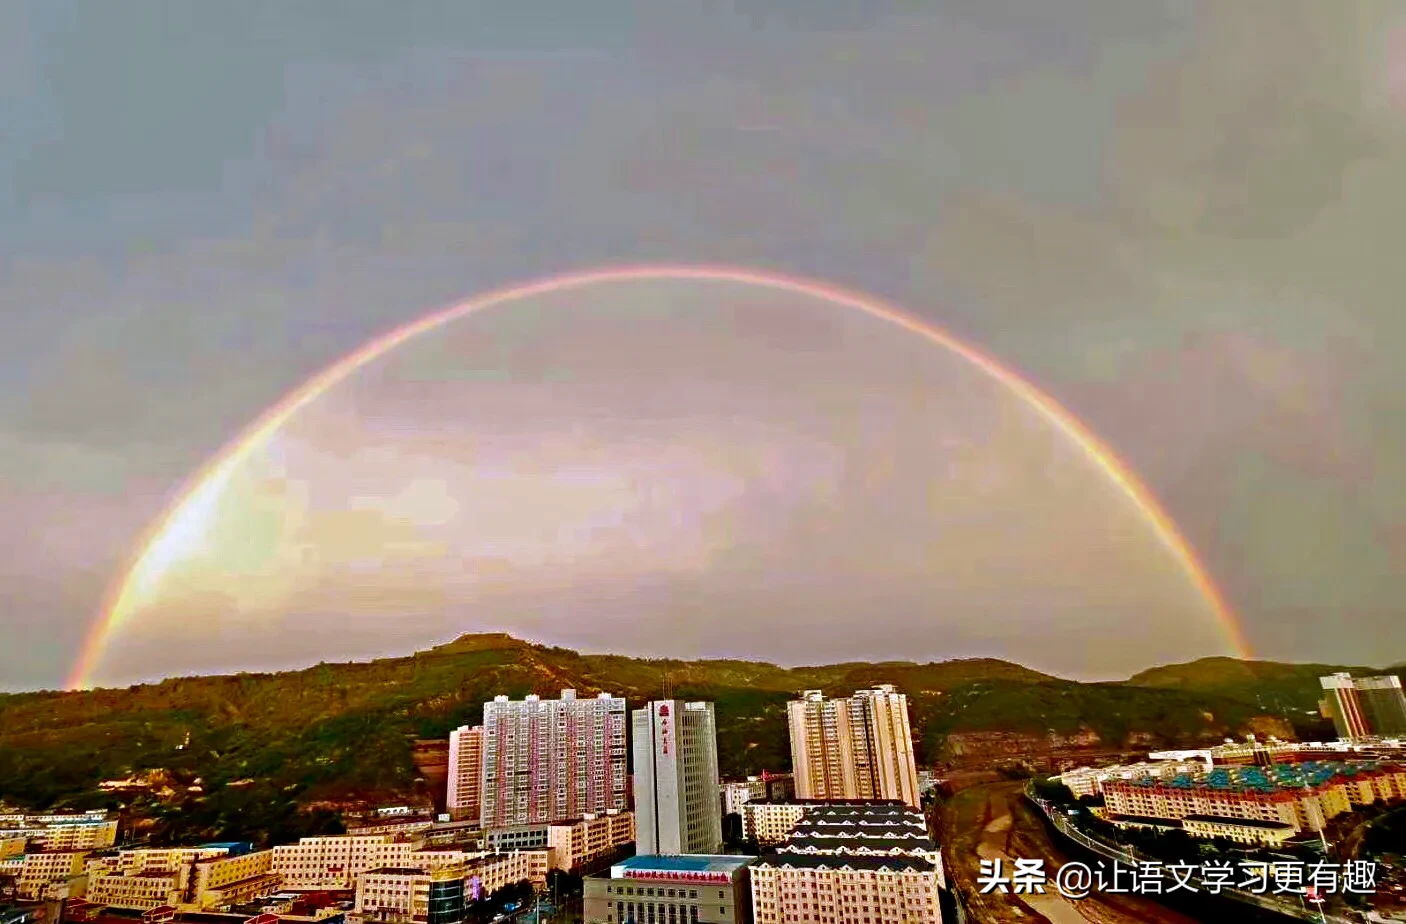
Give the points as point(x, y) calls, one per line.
point(199, 208)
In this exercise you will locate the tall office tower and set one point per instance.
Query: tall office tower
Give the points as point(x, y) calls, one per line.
point(1344, 706)
point(465, 772)
point(860, 747)
point(1383, 705)
point(677, 809)
point(551, 760)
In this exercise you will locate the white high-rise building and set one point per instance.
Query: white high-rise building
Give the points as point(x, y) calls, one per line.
point(465, 772)
point(860, 747)
point(677, 796)
point(552, 760)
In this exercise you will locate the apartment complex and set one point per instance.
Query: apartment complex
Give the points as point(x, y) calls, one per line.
point(677, 803)
point(851, 864)
point(693, 889)
point(1303, 796)
point(1364, 707)
point(550, 760)
point(465, 773)
point(859, 747)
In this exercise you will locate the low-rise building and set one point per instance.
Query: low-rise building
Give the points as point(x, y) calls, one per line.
point(136, 891)
point(1240, 830)
point(517, 837)
point(218, 882)
point(770, 822)
point(1305, 796)
point(578, 843)
point(83, 833)
point(334, 861)
point(39, 871)
point(845, 889)
point(695, 889)
point(851, 863)
point(417, 895)
point(865, 830)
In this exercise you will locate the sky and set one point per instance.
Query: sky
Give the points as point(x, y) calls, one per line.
point(1178, 218)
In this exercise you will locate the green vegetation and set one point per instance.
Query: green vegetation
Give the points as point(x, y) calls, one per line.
point(270, 756)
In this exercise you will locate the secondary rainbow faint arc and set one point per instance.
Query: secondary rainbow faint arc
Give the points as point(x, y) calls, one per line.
point(199, 494)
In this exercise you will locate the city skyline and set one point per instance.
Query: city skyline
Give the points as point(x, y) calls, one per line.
point(1174, 221)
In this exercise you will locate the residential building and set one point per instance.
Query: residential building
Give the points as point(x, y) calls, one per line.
point(677, 807)
point(551, 760)
point(38, 871)
point(465, 773)
point(773, 787)
point(1305, 796)
point(420, 895)
point(204, 878)
point(860, 747)
point(738, 792)
point(856, 863)
point(1343, 704)
point(1088, 781)
point(770, 823)
point(218, 882)
point(1250, 831)
point(60, 832)
point(579, 843)
point(518, 837)
point(137, 891)
point(1383, 705)
point(865, 829)
point(332, 862)
point(844, 889)
point(694, 889)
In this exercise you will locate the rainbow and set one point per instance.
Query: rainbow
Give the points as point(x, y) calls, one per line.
point(196, 499)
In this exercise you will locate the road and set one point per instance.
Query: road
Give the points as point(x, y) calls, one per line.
point(992, 821)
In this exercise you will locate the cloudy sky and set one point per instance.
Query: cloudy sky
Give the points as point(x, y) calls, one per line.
point(1182, 219)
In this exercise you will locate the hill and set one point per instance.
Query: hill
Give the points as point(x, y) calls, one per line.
point(256, 755)
point(1277, 687)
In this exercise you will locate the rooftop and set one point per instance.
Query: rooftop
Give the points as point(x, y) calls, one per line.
point(691, 863)
point(845, 861)
point(802, 842)
point(1241, 822)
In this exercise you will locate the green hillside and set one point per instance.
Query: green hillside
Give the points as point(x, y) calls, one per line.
point(262, 750)
point(1274, 686)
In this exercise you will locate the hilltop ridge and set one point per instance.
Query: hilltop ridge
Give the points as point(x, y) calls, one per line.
point(331, 734)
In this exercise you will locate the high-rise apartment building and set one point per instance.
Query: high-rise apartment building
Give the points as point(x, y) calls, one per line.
point(465, 772)
point(677, 797)
point(860, 747)
point(1365, 707)
point(551, 760)
point(1383, 704)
